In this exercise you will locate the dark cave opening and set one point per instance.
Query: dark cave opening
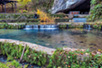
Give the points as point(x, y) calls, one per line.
point(83, 8)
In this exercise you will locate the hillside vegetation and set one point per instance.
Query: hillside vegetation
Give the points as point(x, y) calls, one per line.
point(96, 10)
point(33, 5)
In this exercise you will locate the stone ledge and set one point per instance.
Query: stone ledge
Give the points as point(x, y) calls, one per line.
point(31, 45)
point(36, 47)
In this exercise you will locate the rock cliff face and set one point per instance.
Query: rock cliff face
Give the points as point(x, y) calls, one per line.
point(70, 5)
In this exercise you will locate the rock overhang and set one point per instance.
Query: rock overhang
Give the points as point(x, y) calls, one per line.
point(70, 5)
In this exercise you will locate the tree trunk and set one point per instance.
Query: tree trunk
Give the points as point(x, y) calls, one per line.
point(26, 7)
point(22, 54)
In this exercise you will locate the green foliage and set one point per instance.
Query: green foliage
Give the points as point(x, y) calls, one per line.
point(93, 2)
point(61, 20)
point(35, 57)
point(23, 2)
point(70, 26)
point(10, 58)
point(60, 58)
point(6, 26)
point(12, 64)
point(2, 65)
point(42, 4)
point(97, 26)
point(96, 10)
point(18, 18)
point(62, 26)
point(64, 59)
point(15, 51)
point(23, 11)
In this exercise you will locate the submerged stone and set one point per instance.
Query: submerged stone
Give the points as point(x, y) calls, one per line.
point(81, 42)
point(93, 44)
point(64, 44)
point(62, 41)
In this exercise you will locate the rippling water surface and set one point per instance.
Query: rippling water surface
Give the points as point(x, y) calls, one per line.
point(73, 38)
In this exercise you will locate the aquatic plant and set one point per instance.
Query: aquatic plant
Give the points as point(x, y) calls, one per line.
point(12, 64)
point(60, 59)
point(76, 59)
point(14, 51)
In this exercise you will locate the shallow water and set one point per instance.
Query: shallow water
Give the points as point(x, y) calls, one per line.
point(73, 38)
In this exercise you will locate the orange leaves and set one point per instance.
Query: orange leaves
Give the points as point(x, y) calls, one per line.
point(99, 50)
point(68, 66)
point(44, 17)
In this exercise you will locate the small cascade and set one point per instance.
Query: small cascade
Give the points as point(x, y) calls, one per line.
point(28, 27)
point(41, 27)
point(35, 27)
point(87, 26)
point(48, 26)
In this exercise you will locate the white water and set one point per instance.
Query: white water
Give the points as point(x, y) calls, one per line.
point(41, 27)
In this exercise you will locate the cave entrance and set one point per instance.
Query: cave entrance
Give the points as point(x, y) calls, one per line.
point(83, 8)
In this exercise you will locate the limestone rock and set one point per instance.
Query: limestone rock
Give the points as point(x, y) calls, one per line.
point(63, 5)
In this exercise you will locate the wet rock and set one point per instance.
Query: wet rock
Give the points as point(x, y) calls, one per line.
point(81, 42)
point(41, 41)
point(62, 41)
point(82, 36)
point(91, 47)
point(74, 42)
point(47, 44)
point(70, 43)
point(3, 58)
point(49, 37)
point(92, 44)
point(67, 5)
point(64, 44)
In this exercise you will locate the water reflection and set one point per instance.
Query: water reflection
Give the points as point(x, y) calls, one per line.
point(73, 38)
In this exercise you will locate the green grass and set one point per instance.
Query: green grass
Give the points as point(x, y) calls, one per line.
point(33, 23)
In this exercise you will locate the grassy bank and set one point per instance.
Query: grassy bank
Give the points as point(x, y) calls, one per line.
point(60, 58)
point(61, 26)
point(7, 26)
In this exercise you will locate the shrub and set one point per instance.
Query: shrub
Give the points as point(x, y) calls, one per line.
point(25, 11)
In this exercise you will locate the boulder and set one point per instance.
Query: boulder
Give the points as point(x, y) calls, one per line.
point(70, 5)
